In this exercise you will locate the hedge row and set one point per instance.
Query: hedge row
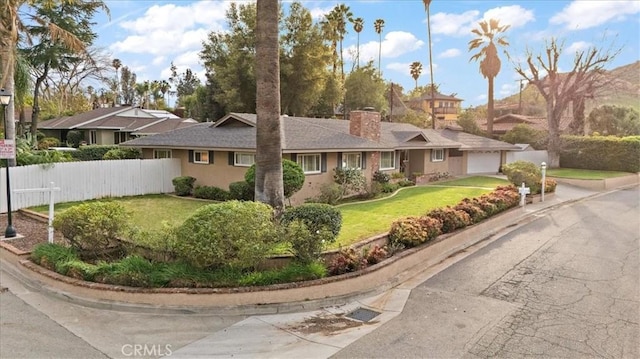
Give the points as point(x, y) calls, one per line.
point(413, 231)
point(601, 153)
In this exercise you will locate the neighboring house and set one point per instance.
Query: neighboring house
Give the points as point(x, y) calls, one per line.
point(505, 123)
point(113, 125)
point(220, 153)
point(445, 107)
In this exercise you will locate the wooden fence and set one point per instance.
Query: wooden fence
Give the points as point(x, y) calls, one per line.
point(536, 157)
point(79, 181)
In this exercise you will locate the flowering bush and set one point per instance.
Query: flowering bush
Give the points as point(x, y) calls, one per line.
point(413, 231)
point(473, 210)
point(375, 254)
point(451, 219)
point(345, 261)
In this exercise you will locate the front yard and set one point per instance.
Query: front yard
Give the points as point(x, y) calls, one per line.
point(574, 173)
point(360, 220)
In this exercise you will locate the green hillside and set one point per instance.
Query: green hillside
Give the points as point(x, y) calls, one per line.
point(622, 89)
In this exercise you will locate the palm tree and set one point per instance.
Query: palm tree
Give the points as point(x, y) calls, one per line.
point(164, 88)
point(427, 4)
point(358, 25)
point(269, 185)
point(116, 63)
point(341, 14)
point(378, 26)
point(11, 25)
point(415, 69)
point(330, 32)
point(488, 34)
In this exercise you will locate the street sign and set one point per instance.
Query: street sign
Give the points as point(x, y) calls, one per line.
point(7, 149)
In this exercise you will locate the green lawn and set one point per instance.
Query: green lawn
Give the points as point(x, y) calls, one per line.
point(583, 174)
point(360, 219)
point(363, 220)
point(147, 212)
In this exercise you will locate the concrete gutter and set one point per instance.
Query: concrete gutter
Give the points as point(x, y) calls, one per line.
point(603, 184)
point(291, 297)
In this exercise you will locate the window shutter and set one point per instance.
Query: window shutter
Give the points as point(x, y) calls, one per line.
point(211, 157)
point(339, 164)
point(190, 156)
point(432, 154)
point(323, 162)
point(396, 159)
point(364, 160)
point(444, 154)
point(294, 157)
point(231, 159)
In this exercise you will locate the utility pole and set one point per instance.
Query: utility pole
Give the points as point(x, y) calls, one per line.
point(520, 101)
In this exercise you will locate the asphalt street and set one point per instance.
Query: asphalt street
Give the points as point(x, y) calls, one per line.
point(563, 286)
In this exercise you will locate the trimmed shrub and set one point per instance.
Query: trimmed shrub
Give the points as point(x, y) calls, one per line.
point(213, 193)
point(316, 216)
point(484, 204)
point(406, 183)
point(350, 180)
point(375, 254)
point(292, 177)
point(47, 142)
point(389, 187)
point(549, 185)
point(122, 153)
point(241, 191)
point(451, 219)
point(183, 185)
point(413, 231)
point(234, 233)
point(346, 261)
point(601, 153)
point(473, 210)
point(381, 177)
point(74, 138)
point(330, 193)
point(524, 171)
point(91, 152)
point(306, 245)
point(504, 197)
point(93, 228)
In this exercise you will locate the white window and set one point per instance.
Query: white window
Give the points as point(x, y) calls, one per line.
point(387, 160)
point(161, 153)
point(93, 137)
point(244, 159)
point(310, 163)
point(437, 155)
point(352, 160)
point(201, 157)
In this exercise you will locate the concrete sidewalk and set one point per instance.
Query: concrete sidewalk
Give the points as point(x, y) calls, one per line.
point(314, 334)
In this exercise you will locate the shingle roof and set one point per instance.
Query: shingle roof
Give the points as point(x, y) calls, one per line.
point(237, 131)
point(164, 126)
point(472, 142)
point(74, 121)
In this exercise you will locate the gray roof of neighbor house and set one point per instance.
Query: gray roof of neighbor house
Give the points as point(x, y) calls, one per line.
point(472, 142)
point(300, 134)
point(71, 122)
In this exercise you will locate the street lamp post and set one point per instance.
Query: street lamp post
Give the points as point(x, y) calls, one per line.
point(544, 180)
point(5, 98)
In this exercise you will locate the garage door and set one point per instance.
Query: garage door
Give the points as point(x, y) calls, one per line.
point(483, 162)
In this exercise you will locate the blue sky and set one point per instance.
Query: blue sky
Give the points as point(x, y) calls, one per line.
point(147, 35)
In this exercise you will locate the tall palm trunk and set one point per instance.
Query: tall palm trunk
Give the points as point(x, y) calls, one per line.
point(490, 110)
point(433, 115)
point(35, 116)
point(269, 187)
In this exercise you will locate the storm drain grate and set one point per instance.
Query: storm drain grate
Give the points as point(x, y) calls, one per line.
point(363, 314)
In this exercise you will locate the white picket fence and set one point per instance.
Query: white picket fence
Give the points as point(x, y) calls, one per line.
point(536, 157)
point(79, 181)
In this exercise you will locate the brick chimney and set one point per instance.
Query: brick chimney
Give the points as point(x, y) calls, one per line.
point(365, 124)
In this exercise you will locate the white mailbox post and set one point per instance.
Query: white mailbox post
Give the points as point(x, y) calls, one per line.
point(524, 191)
point(543, 167)
point(51, 189)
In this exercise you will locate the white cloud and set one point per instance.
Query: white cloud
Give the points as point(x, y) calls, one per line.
point(578, 46)
point(318, 13)
point(450, 53)
point(394, 44)
point(462, 24)
point(482, 97)
point(454, 24)
point(159, 60)
point(187, 59)
point(514, 15)
point(170, 28)
point(509, 89)
point(587, 14)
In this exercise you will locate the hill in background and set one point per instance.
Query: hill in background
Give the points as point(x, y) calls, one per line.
point(622, 89)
